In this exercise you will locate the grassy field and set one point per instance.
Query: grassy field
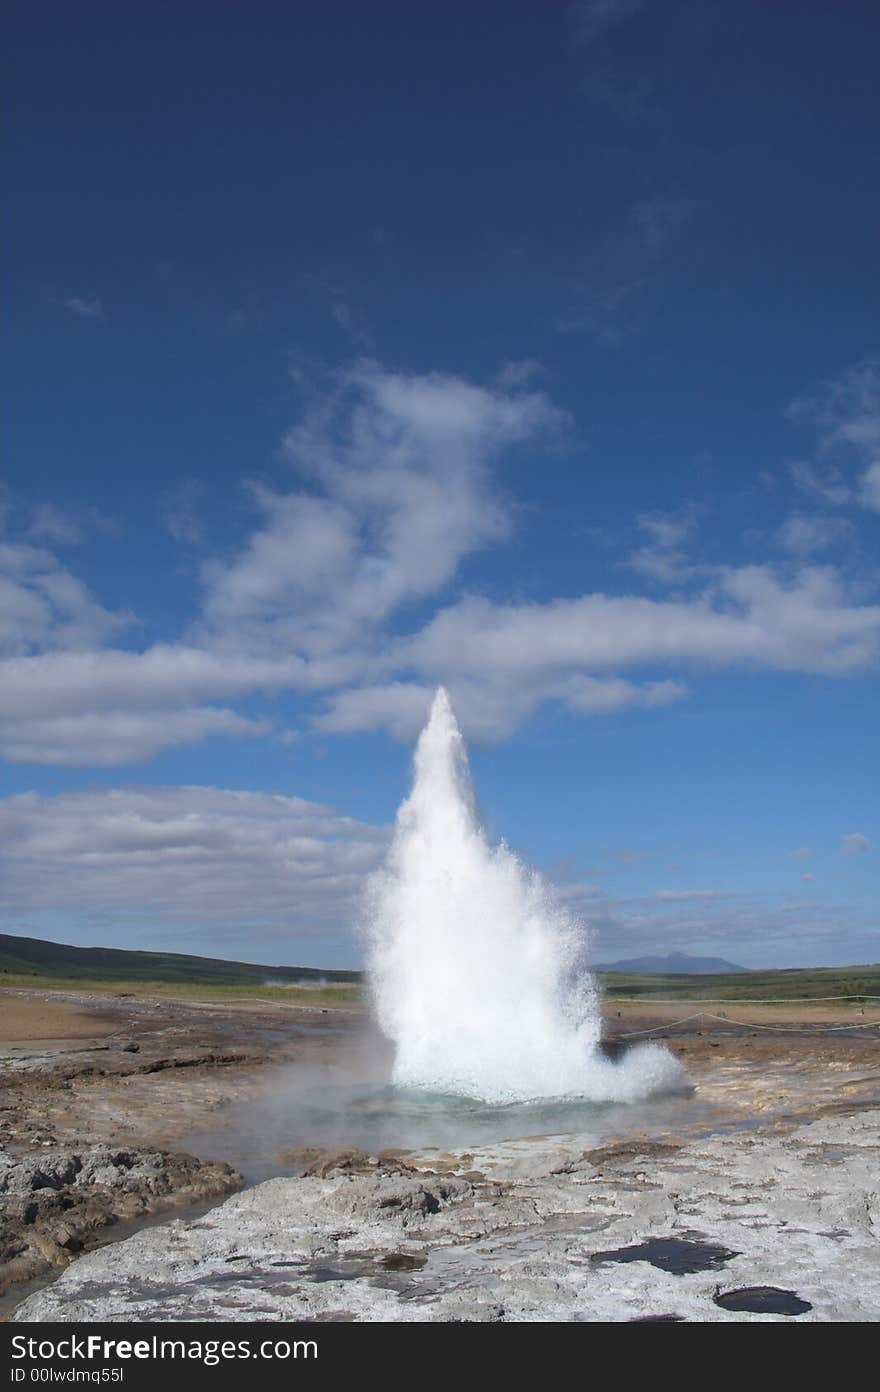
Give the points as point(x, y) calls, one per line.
point(53, 966)
point(331, 997)
point(808, 983)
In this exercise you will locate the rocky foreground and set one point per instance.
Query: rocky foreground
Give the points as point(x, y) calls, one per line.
point(528, 1230)
point(59, 1202)
point(95, 1093)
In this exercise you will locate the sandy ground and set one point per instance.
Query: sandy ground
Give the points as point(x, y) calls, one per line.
point(78, 1067)
point(49, 1021)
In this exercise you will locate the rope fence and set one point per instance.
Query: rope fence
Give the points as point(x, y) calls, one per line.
point(744, 1000)
point(751, 1024)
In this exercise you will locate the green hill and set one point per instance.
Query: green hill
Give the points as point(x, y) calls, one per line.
point(32, 957)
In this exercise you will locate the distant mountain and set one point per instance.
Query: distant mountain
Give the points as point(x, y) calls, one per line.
point(676, 964)
point(34, 957)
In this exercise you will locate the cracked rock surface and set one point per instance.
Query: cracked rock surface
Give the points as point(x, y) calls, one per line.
point(527, 1230)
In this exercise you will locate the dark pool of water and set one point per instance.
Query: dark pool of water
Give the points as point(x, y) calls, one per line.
point(763, 1300)
point(676, 1255)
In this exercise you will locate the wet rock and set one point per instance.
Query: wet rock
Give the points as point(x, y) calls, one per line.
point(403, 1261)
point(312, 1160)
point(515, 1248)
point(59, 1202)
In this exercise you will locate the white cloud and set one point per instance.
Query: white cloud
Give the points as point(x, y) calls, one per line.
point(400, 494)
point(342, 591)
point(502, 661)
point(486, 708)
point(43, 606)
point(807, 625)
point(802, 853)
point(600, 696)
point(870, 486)
point(192, 856)
point(855, 843)
point(663, 557)
point(802, 534)
point(518, 373)
point(579, 891)
point(181, 512)
point(746, 929)
point(685, 896)
point(86, 308)
point(398, 707)
point(51, 524)
point(259, 872)
point(163, 677)
point(108, 737)
point(349, 320)
point(846, 411)
point(827, 485)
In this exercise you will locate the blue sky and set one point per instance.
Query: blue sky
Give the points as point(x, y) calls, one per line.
point(533, 349)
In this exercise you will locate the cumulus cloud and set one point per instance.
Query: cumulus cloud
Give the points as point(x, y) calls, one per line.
point(163, 677)
point(486, 709)
point(399, 492)
point(43, 606)
point(855, 843)
point(110, 737)
point(194, 856)
point(502, 661)
point(752, 616)
point(594, 695)
point(399, 707)
point(109, 707)
point(343, 592)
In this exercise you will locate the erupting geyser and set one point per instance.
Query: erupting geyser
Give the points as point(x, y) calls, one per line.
point(478, 974)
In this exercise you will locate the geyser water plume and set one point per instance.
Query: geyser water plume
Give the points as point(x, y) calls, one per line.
point(477, 972)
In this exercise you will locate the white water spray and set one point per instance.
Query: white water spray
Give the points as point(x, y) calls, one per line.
point(478, 973)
